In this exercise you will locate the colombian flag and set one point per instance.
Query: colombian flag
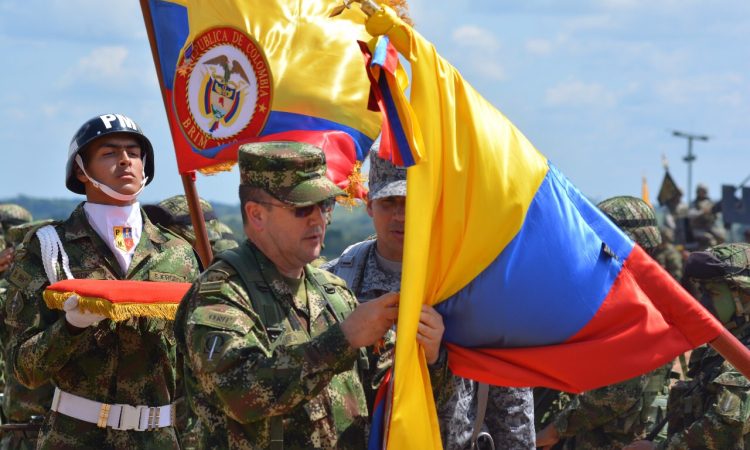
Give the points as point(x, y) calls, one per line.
point(311, 70)
point(535, 285)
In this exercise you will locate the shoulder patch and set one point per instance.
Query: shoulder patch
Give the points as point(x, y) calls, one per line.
point(165, 277)
point(19, 277)
point(222, 317)
point(728, 403)
point(210, 287)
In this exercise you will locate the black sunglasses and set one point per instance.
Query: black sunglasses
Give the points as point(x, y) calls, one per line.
point(325, 206)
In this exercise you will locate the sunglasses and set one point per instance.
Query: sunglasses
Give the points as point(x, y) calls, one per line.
point(325, 206)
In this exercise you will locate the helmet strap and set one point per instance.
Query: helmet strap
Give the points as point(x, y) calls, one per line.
point(108, 190)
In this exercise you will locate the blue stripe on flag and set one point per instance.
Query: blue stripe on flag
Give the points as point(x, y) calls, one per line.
point(171, 29)
point(556, 259)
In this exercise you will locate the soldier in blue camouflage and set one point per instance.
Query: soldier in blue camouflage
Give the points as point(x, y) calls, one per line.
point(611, 417)
point(174, 214)
point(112, 379)
point(280, 355)
point(373, 267)
point(712, 411)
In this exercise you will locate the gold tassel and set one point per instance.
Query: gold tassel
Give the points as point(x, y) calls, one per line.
point(356, 181)
point(221, 167)
point(401, 8)
point(116, 311)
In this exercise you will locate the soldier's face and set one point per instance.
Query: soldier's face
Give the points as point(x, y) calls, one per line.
point(297, 240)
point(114, 160)
point(389, 218)
point(720, 297)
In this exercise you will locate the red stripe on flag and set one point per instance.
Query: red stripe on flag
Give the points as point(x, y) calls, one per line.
point(646, 321)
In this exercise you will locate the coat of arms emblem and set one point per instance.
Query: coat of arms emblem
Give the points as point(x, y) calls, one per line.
point(222, 90)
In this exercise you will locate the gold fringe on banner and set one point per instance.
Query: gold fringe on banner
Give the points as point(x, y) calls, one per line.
point(357, 181)
point(116, 311)
point(213, 170)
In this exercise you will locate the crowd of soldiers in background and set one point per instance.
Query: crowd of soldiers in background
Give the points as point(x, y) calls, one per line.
point(634, 409)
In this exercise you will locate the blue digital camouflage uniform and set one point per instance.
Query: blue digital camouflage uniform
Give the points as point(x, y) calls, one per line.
point(131, 362)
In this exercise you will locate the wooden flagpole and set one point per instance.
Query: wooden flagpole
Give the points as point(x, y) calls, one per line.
point(203, 246)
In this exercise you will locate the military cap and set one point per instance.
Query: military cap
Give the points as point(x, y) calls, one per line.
point(174, 214)
point(702, 187)
point(633, 216)
point(291, 172)
point(12, 215)
point(386, 178)
point(227, 240)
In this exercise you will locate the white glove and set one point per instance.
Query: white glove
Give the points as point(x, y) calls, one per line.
point(75, 317)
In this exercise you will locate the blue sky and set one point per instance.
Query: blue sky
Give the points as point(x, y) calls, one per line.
point(596, 86)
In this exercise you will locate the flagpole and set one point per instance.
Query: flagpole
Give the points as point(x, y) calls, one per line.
point(733, 351)
point(203, 246)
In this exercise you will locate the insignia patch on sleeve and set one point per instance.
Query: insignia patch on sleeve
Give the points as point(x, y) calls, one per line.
point(19, 277)
point(14, 305)
point(728, 403)
point(211, 287)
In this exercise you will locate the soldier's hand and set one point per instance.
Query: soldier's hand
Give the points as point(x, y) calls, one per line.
point(641, 445)
point(430, 333)
point(77, 319)
point(547, 437)
point(6, 258)
point(370, 321)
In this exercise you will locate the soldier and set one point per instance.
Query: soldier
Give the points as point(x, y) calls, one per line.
point(702, 215)
point(11, 215)
point(114, 382)
point(712, 412)
point(271, 342)
point(373, 267)
point(613, 416)
point(667, 255)
point(173, 213)
point(23, 409)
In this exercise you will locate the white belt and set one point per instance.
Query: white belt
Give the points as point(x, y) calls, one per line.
point(117, 417)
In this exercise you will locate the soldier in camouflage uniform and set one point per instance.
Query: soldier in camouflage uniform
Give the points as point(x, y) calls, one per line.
point(271, 342)
point(712, 412)
point(667, 255)
point(11, 215)
point(611, 417)
point(174, 214)
point(373, 267)
point(111, 378)
point(702, 215)
point(23, 409)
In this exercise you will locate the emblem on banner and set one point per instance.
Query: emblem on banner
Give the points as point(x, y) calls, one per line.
point(124, 238)
point(222, 89)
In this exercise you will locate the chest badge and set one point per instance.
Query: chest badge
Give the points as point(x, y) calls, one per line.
point(124, 238)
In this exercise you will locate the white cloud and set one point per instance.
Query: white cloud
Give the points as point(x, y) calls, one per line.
point(103, 66)
point(476, 38)
point(576, 93)
point(539, 46)
point(710, 88)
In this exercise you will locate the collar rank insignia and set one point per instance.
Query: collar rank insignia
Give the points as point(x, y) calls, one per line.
point(124, 238)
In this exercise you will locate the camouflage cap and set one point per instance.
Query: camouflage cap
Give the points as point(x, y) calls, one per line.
point(386, 178)
point(227, 240)
point(633, 216)
point(291, 172)
point(12, 215)
point(180, 222)
point(719, 264)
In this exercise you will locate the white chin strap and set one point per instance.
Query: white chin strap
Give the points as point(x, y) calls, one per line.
point(108, 190)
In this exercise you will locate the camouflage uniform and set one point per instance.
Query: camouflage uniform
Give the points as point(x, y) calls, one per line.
point(712, 411)
point(611, 417)
point(702, 216)
point(175, 216)
point(20, 403)
point(292, 382)
point(668, 256)
point(130, 362)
